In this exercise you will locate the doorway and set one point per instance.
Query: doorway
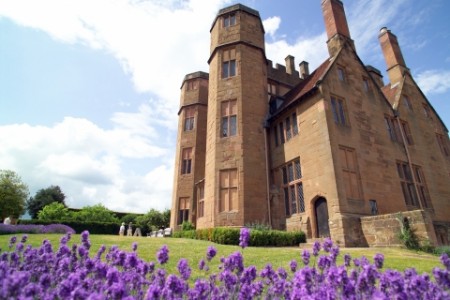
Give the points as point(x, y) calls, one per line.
point(321, 211)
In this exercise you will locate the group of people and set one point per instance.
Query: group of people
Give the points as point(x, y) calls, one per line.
point(137, 232)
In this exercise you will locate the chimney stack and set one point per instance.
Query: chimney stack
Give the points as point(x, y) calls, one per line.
point(304, 69)
point(290, 64)
point(392, 55)
point(336, 25)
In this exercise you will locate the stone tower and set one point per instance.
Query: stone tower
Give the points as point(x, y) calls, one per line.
point(191, 143)
point(236, 172)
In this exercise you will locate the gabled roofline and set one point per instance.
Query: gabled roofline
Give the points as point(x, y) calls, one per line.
point(425, 97)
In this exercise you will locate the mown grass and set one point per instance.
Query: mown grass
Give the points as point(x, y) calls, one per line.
point(194, 250)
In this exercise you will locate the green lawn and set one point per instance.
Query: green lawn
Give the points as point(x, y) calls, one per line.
point(194, 250)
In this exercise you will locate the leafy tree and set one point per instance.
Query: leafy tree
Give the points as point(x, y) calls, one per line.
point(44, 197)
point(166, 218)
point(154, 219)
point(129, 218)
point(95, 213)
point(13, 194)
point(54, 211)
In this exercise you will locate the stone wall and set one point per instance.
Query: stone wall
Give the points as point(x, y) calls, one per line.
point(383, 230)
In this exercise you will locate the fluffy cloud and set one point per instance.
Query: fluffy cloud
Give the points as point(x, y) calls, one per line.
point(145, 36)
point(90, 164)
point(434, 81)
point(271, 25)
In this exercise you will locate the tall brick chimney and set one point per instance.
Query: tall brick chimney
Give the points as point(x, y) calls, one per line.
point(290, 64)
point(304, 69)
point(392, 55)
point(336, 25)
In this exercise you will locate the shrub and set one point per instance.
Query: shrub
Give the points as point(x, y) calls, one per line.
point(187, 234)
point(441, 250)
point(51, 228)
point(258, 238)
point(79, 227)
point(186, 225)
point(225, 236)
point(407, 234)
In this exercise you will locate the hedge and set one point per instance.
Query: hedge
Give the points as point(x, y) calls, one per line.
point(79, 227)
point(258, 238)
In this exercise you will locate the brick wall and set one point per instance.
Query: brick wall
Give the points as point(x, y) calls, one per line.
point(383, 230)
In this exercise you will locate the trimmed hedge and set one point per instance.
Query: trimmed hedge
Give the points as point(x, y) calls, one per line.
point(258, 238)
point(79, 227)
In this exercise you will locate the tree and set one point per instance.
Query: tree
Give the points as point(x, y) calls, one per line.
point(54, 211)
point(44, 197)
point(153, 220)
point(13, 194)
point(166, 218)
point(96, 213)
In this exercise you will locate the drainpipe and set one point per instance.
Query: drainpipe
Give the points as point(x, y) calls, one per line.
point(408, 157)
point(266, 147)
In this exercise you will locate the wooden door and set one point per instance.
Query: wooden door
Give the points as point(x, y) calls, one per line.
point(321, 209)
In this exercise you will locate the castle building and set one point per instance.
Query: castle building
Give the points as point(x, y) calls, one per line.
point(335, 152)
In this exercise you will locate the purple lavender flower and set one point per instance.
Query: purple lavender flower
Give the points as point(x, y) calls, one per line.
point(305, 257)
point(378, 260)
point(445, 260)
point(347, 259)
point(327, 244)
point(316, 248)
point(201, 264)
point(248, 275)
point(24, 238)
point(184, 269)
point(12, 241)
point(293, 265)
point(244, 238)
point(134, 246)
point(323, 262)
point(163, 255)
point(210, 253)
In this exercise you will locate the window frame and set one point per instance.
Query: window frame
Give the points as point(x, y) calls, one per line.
point(183, 210)
point(226, 205)
point(186, 161)
point(342, 76)
point(294, 124)
point(407, 184)
point(407, 132)
point(339, 111)
point(350, 171)
point(189, 119)
point(292, 186)
point(407, 103)
point(229, 20)
point(201, 199)
point(228, 124)
point(366, 84)
point(422, 188)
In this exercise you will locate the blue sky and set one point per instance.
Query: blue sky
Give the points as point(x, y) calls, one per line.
point(89, 90)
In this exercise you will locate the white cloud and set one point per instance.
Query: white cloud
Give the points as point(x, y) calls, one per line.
point(271, 25)
point(434, 81)
point(302, 49)
point(367, 17)
point(90, 164)
point(145, 36)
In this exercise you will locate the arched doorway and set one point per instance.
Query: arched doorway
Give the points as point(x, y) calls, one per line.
point(321, 212)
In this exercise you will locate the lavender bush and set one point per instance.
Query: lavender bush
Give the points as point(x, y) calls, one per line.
point(75, 273)
point(52, 228)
